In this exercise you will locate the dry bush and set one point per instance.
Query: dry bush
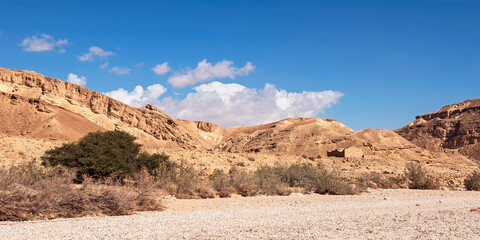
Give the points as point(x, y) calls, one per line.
point(333, 183)
point(377, 180)
point(183, 181)
point(282, 180)
point(30, 192)
point(303, 176)
point(244, 182)
point(472, 182)
point(316, 179)
point(419, 177)
point(222, 183)
point(269, 182)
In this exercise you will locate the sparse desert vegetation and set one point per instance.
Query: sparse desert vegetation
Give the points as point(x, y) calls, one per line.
point(472, 182)
point(102, 154)
point(106, 173)
point(377, 180)
point(30, 192)
point(282, 180)
point(419, 177)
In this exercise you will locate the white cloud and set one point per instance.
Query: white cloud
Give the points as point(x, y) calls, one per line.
point(206, 71)
point(139, 97)
point(42, 43)
point(95, 52)
point(73, 78)
point(105, 65)
point(120, 70)
point(233, 104)
point(161, 69)
point(236, 105)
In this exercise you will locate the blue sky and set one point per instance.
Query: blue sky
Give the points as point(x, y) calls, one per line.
point(384, 62)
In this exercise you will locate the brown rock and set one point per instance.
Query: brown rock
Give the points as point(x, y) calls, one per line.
point(453, 127)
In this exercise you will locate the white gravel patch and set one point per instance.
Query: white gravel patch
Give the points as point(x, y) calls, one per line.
point(379, 214)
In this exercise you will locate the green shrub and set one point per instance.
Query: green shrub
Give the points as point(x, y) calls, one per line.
point(101, 154)
point(419, 177)
point(472, 182)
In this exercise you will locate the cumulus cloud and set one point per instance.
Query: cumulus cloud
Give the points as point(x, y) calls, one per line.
point(233, 104)
point(42, 43)
point(206, 71)
point(161, 69)
point(73, 78)
point(95, 52)
point(120, 70)
point(236, 105)
point(139, 97)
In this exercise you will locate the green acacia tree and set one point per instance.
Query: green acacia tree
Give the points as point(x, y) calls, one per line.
point(101, 154)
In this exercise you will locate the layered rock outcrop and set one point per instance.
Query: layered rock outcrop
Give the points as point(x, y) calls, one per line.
point(35, 118)
point(98, 108)
point(58, 106)
point(454, 127)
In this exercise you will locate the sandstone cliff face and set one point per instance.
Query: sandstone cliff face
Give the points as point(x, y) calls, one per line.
point(454, 127)
point(56, 103)
point(20, 116)
point(94, 106)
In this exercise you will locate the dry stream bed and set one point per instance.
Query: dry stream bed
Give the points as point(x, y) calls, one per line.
point(378, 214)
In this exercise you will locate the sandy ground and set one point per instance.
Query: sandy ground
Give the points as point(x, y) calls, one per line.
point(379, 214)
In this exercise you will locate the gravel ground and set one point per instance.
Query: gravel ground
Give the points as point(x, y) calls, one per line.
point(379, 214)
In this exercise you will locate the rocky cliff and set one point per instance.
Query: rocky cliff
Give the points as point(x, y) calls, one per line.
point(102, 110)
point(46, 108)
point(453, 128)
point(38, 112)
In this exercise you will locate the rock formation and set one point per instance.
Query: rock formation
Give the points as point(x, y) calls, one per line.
point(20, 116)
point(44, 112)
point(102, 110)
point(453, 128)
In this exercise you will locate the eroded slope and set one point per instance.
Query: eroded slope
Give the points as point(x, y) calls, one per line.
point(453, 128)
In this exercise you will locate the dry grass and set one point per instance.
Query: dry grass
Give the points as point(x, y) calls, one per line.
point(31, 192)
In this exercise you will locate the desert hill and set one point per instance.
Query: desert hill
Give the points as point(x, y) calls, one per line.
point(37, 119)
point(62, 101)
point(43, 112)
point(319, 138)
point(452, 129)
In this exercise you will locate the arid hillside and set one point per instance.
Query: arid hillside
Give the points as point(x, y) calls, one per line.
point(452, 129)
point(43, 112)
